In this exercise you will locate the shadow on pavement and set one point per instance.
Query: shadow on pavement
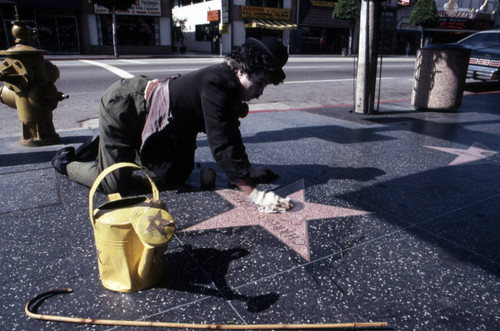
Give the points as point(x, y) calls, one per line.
point(196, 269)
point(480, 86)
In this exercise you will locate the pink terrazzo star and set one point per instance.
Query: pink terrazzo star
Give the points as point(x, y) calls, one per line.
point(290, 227)
point(473, 153)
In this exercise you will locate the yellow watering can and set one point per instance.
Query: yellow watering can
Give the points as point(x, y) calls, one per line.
point(131, 234)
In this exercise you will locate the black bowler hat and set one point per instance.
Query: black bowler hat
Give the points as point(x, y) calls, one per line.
point(278, 53)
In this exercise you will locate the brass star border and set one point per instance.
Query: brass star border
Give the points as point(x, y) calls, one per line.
point(291, 228)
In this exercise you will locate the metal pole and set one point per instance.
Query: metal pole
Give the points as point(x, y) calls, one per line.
point(115, 39)
point(361, 78)
point(367, 59)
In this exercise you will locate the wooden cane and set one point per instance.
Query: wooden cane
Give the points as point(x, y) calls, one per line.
point(67, 319)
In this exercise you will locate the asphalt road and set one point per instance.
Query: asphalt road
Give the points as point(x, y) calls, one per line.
point(311, 82)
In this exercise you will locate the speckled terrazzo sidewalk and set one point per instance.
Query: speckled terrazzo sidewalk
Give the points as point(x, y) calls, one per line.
point(396, 220)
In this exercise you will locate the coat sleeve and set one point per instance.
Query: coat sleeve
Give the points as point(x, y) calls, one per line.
point(222, 129)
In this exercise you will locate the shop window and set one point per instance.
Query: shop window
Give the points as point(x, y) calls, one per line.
point(68, 34)
point(58, 34)
point(47, 30)
point(130, 30)
point(202, 32)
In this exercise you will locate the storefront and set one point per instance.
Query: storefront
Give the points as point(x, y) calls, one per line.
point(220, 26)
point(57, 23)
point(211, 31)
point(318, 32)
point(202, 28)
point(265, 21)
point(139, 29)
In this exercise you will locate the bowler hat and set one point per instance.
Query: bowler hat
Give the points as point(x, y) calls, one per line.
point(276, 51)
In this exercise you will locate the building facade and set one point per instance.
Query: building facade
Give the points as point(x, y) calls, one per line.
point(217, 26)
point(145, 28)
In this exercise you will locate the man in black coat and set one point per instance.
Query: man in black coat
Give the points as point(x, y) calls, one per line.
point(157, 122)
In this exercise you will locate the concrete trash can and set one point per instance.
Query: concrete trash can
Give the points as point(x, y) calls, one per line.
point(440, 73)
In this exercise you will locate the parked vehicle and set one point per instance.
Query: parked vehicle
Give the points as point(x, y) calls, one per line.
point(484, 63)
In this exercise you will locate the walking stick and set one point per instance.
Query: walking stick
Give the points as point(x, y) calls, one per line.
point(41, 297)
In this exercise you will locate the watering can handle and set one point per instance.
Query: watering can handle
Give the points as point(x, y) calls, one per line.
point(106, 172)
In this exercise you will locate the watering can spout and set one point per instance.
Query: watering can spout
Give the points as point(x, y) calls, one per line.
point(146, 262)
point(154, 228)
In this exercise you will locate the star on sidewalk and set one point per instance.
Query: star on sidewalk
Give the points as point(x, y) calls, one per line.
point(290, 227)
point(473, 153)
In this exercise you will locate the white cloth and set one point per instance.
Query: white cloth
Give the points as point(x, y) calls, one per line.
point(269, 202)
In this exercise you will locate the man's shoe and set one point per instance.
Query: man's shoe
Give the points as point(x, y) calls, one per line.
point(87, 151)
point(62, 158)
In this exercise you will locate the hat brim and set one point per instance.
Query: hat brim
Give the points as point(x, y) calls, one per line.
point(278, 75)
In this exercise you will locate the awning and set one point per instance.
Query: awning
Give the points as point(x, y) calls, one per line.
point(269, 24)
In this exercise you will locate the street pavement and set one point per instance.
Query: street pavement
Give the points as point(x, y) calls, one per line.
point(395, 220)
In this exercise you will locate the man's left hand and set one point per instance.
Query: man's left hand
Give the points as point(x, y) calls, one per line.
point(243, 110)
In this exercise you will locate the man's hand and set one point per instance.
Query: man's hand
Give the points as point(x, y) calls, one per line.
point(269, 202)
point(243, 110)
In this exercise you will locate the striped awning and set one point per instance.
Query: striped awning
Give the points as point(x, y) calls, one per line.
point(269, 24)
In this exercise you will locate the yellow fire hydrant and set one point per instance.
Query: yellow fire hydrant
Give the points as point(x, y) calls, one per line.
point(29, 86)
